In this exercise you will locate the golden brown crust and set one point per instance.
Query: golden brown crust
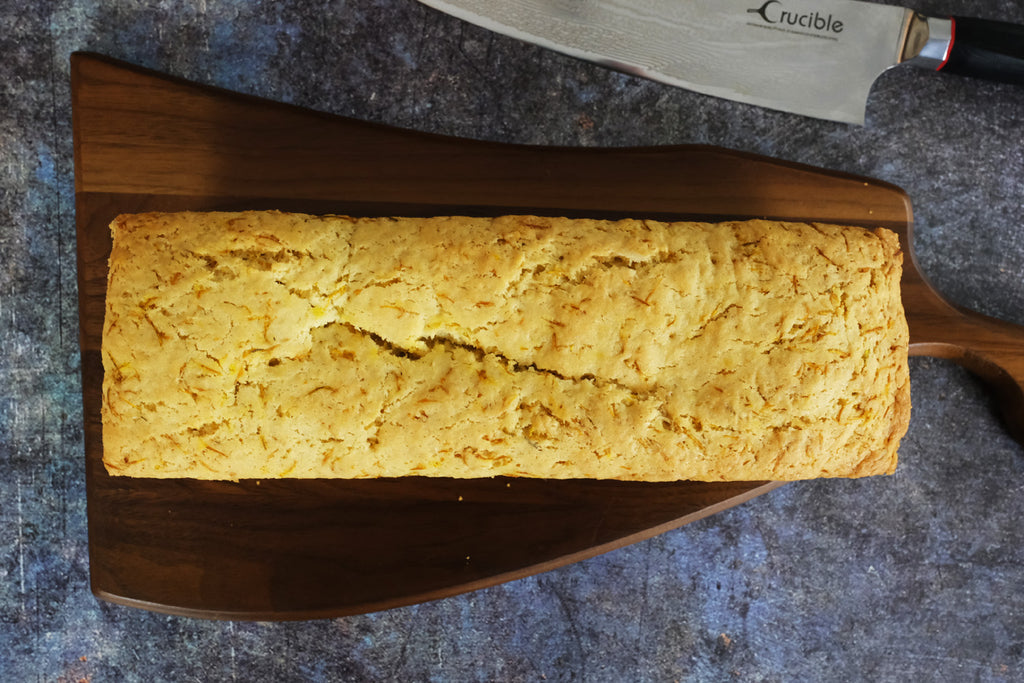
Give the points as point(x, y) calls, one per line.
point(263, 344)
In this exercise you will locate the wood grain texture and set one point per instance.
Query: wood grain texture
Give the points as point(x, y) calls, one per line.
point(300, 549)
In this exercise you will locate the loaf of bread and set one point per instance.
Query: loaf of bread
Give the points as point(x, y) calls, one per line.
point(265, 344)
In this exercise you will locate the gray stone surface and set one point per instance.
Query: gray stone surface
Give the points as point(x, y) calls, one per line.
point(919, 576)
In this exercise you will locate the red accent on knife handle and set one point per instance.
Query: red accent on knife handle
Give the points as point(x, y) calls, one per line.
point(982, 48)
point(952, 42)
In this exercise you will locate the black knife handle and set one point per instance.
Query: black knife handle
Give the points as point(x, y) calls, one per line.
point(982, 48)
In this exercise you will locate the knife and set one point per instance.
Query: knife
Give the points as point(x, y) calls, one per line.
point(818, 58)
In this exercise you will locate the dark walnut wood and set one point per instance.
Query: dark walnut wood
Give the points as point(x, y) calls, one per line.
point(300, 549)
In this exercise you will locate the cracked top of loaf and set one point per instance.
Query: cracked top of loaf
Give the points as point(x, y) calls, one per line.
point(266, 344)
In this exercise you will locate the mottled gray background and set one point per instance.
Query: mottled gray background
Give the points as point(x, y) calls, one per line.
point(914, 577)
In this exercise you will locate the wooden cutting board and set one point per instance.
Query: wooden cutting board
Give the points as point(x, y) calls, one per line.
point(303, 549)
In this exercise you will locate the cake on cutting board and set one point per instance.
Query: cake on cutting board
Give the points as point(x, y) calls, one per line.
point(264, 344)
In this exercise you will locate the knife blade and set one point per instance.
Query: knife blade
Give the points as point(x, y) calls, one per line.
point(817, 58)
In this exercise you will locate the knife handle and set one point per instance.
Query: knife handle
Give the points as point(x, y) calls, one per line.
point(982, 48)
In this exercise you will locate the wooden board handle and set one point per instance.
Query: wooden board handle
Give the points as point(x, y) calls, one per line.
point(990, 348)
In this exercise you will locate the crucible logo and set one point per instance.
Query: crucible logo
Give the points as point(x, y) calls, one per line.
point(774, 12)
